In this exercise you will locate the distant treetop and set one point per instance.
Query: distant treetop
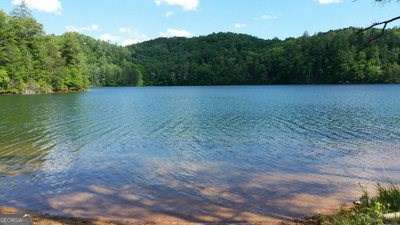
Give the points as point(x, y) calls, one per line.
point(21, 11)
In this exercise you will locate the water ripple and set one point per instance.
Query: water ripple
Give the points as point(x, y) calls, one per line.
point(243, 143)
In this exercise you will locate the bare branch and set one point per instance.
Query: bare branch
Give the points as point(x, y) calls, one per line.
point(384, 23)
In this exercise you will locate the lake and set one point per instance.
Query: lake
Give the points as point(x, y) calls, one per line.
point(197, 154)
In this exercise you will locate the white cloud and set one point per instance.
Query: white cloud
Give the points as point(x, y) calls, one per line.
point(126, 36)
point(239, 25)
point(110, 38)
point(126, 30)
point(49, 6)
point(266, 17)
point(133, 39)
point(176, 33)
point(187, 5)
point(131, 36)
point(121, 40)
point(91, 28)
point(169, 14)
point(130, 41)
point(327, 2)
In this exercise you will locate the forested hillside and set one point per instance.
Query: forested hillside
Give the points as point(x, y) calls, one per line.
point(340, 56)
point(33, 62)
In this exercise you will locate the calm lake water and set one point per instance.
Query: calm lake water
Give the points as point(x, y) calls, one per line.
point(197, 154)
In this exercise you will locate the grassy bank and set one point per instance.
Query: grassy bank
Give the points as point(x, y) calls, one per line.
point(367, 210)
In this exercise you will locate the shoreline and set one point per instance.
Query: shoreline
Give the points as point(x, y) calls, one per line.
point(210, 85)
point(44, 219)
point(47, 219)
point(383, 206)
point(42, 93)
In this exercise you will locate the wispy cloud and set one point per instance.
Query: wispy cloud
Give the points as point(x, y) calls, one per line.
point(85, 29)
point(171, 32)
point(48, 6)
point(266, 17)
point(239, 25)
point(126, 30)
point(169, 14)
point(110, 38)
point(131, 36)
point(130, 41)
point(187, 5)
point(327, 2)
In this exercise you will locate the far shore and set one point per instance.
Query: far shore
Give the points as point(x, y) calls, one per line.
point(54, 92)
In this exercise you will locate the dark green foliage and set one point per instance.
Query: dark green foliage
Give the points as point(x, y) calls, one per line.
point(389, 196)
point(340, 56)
point(32, 62)
point(224, 58)
point(369, 211)
point(109, 65)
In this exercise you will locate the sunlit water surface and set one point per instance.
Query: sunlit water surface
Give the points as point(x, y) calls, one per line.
point(197, 154)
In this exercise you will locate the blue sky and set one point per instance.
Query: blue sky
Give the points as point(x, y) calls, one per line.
point(130, 21)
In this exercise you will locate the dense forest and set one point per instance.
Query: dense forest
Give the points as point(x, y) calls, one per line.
point(340, 56)
point(33, 62)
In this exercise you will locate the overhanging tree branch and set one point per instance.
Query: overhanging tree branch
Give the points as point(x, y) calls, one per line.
point(384, 23)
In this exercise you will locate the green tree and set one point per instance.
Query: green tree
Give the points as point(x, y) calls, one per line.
point(22, 11)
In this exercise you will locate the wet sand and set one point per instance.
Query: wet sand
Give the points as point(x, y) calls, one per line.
point(38, 219)
point(264, 198)
point(102, 205)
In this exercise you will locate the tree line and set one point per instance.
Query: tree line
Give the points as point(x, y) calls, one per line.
point(33, 62)
point(334, 57)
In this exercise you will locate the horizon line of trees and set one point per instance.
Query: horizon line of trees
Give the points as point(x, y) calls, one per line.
point(334, 57)
point(33, 62)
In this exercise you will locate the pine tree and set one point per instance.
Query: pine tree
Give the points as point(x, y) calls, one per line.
point(22, 11)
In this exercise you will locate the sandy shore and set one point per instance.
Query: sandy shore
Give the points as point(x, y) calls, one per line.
point(49, 220)
point(38, 219)
point(103, 206)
